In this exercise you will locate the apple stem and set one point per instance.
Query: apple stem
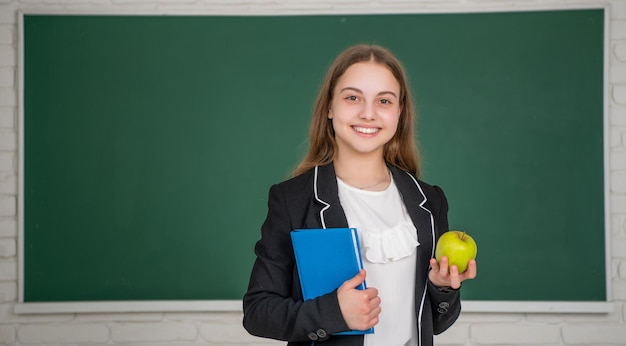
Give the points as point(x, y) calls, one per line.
point(463, 236)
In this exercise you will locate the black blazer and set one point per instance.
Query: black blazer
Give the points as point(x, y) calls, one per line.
point(273, 305)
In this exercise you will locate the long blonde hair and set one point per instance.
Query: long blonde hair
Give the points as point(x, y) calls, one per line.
point(401, 151)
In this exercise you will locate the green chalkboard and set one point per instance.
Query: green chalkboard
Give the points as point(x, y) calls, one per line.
point(150, 143)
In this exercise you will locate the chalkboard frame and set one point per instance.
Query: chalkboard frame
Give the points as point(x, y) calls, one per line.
point(220, 305)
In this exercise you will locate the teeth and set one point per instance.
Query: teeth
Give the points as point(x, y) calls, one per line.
point(367, 130)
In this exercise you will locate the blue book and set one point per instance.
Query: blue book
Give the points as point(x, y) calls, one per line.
point(326, 258)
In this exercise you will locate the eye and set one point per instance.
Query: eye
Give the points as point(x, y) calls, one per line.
point(351, 98)
point(385, 101)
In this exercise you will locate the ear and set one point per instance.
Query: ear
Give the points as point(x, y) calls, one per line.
point(330, 114)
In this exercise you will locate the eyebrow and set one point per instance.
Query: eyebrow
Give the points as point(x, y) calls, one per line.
point(360, 91)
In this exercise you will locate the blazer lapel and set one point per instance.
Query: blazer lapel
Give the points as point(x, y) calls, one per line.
point(415, 201)
point(331, 214)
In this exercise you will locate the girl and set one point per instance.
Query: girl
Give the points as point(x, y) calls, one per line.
point(361, 171)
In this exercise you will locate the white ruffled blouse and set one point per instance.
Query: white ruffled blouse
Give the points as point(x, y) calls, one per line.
point(385, 229)
point(389, 243)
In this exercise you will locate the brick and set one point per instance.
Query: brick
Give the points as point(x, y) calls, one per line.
point(8, 15)
point(600, 333)
point(617, 74)
point(62, 333)
point(618, 182)
point(8, 185)
point(618, 204)
point(225, 330)
point(617, 10)
point(8, 97)
point(621, 269)
point(618, 289)
point(161, 331)
point(514, 334)
point(8, 228)
point(7, 77)
point(7, 162)
point(8, 270)
point(7, 247)
point(199, 316)
point(8, 140)
point(618, 225)
point(618, 246)
point(457, 334)
point(7, 117)
point(617, 160)
point(132, 2)
point(619, 51)
point(7, 34)
point(7, 56)
point(8, 205)
point(8, 292)
point(262, 342)
point(615, 138)
point(7, 335)
point(617, 115)
point(618, 28)
point(619, 94)
point(469, 317)
point(617, 135)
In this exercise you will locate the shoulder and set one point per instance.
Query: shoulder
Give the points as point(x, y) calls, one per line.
point(408, 180)
point(432, 191)
point(432, 195)
point(297, 183)
point(295, 190)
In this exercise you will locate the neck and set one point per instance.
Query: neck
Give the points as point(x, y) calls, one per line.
point(366, 174)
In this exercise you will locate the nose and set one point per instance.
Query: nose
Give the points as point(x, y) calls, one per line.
point(368, 112)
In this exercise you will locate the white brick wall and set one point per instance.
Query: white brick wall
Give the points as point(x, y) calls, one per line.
point(156, 329)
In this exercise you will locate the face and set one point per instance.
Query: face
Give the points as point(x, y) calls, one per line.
point(365, 109)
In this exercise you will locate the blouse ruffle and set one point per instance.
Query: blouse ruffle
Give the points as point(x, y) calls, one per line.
point(392, 244)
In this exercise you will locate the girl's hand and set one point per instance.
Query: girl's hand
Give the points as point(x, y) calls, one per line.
point(360, 308)
point(441, 277)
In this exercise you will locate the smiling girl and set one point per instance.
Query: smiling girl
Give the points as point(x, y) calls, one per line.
point(361, 171)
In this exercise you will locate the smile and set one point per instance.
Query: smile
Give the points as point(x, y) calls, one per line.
point(366, 130)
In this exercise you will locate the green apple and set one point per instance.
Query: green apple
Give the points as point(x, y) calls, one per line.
point(458, 246)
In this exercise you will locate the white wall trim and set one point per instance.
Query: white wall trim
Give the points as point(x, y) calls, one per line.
point(130, 306)
point(538, 307)
point(262, 9)
point(236, 306)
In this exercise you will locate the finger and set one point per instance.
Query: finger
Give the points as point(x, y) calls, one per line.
point(356, 281)
point(374, 303)
point(455, 279)
point(471, 270)
point(372, 317)
point(434, 265)
point(443, 266)
point(374, 314)
point(372, 321)
point(370, 293)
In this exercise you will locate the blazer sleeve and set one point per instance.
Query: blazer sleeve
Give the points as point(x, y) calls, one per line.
point(445, 302)
point(273, 305)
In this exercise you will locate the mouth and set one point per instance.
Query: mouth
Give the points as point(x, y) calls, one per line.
point(366, 130)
